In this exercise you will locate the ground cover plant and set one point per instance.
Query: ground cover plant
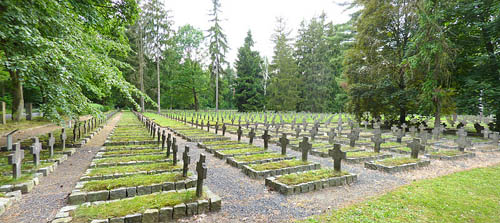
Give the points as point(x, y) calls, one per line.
point(259, 156)
point(133, 181)
point(100, 171)
point(308, 176)
point(396, 161)
point(278, 165)
point(131, 158)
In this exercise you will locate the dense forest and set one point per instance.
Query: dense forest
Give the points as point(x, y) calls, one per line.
point(393, 57)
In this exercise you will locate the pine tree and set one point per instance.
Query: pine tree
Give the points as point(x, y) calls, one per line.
point(249, 87)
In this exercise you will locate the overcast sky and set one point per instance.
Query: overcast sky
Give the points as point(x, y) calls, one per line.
point(257, 15)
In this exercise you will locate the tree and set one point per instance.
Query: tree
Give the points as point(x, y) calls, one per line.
point(217, 47)
point(157, 30)
point(283, 92)
point(249, 87)
point(71, 51)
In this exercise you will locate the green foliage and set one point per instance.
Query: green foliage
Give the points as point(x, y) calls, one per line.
point(249, 86)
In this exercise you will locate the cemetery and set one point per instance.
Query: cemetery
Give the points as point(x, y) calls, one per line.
point(152, 111)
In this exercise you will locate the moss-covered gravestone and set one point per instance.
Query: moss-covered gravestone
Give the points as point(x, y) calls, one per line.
point(63, 138)
point(51, 143)
point(169, 144)
point(163, 139)
point(186, 159)
point(35, 151)
point(331, 136)
point(283, 143)
point(305, 147)
point(239, 132)
point(377, 140)
point(224, 129)
point(337, 156)
point(353, 136)
point(201, 170)
point(399, 135)
point(16, 160)
point(266, 138)
point(216, 128)
point(251, 135)
point(313, 133)
point(297, 132)
point(174, 151)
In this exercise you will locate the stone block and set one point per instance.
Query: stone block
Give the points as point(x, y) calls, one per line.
point(99, 221)
point(203, 207)
point(6, 188)
point(192, 209)
point(215, 203)
point(143, 190)
point(150, 216)
point(117, 220)
point(118, 193)
point(77, 198)
point(156, 188)
point(166, 214)
point(131, 191)
point(133, 218)
point(180, 185)
point(102, 195)
point(179, 211)
point(62, 220)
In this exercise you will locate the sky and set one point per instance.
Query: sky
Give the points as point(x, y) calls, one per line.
point(259, 16)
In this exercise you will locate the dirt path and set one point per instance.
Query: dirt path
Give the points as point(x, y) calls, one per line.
point(43, 203)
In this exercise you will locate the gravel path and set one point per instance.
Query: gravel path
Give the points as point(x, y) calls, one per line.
point(43, 203)
point(248, 200)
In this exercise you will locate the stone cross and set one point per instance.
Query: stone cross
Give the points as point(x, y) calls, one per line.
point(486, 132)
point(297, 132)
point(239, 132)
point(174, 150)
point(376, 125)
point(16, 160)
point(201, 126)
point(305, 147)
point(216, 128)
point(9, 139)
point(337, 156)
point(201, 171)
point(377, 140)
point(415, 147)
point(159, 135)
point(421, 127)
point(435, 133)
point(169, 144)
point(331, 136)
point(224, 129)
point(424, 137)
point(404, 126)
point(462, 142)
point(74, 132)
point(186, 159)
point(251, 135)
point(266, 138)
point(494, 136)
point(51, 143)
point(461, 132)
point(4, 113)
point(365, 123)
point(413, 130)
point(399, 135)
point(163, 139)
point(208, 126)
point(394, 128)
point(283, 143)
point(63, 138)
point(313, 133)
point(35, 151)
point(352, 138)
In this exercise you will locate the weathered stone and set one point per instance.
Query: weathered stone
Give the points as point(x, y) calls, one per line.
point(168, 186)
point(118, 193)
point(77, 198)
point(99, 221)
point(180, 185)
point(133, 218)
point(192, 209)
point(166, 214)
point(131, 191)
point(203, 207)
point(117, 220)
point(62, 220)
point(150, 216)
point(156, 188)
point(143, 190)
point(97, 196)
point(179, 211)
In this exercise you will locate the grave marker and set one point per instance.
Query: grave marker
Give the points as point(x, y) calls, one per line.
point(163, 139)
point(63, 138)
point(352, 138)
point(224, 129)
point(331, 136)
point(51, 143)
point(415, 147)
point(462, 142)
point(201, 170)
point(404, 126)
point(283, 143)
point(216, 128)
point(174, 150)
point(494, 137)
point(297, 132)
point(377, 140)
point(413, 130)
point(16, 160)
point(337, 156)
point(35, 151)
point(186, 159)
point(169, 144)
point(9, 140)
point(486, 132)
point(251, 135)
point(399, 135)
point(313, 133)
point(239, 132)
point(305, 147)
point(266, 138)
point(29, 111)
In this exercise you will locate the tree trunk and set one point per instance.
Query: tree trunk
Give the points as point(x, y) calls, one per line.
point(402, 115)
point(196, 105)
point(141, 66)
point(158, 78)
point(216, 69)
point(437, 114)
point(18, 100)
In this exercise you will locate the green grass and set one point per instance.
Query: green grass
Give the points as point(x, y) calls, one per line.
point(240, 151)
point(396, 161)
point(343, 148)
point(361, 154)
point(406, 149)
point(308, 176)
point(132, 146)
point(133, 181)
point(218, 142)
point(133, 151)
point(131, 158)
point(468, 196)
point(230, 146)
point(278, 165)
point(132, 168)
point(488, 147)
point(135, 205)
point(390, 144)
point(447, 153)
point(23, 124)
point(4, 180)
point(259, 156)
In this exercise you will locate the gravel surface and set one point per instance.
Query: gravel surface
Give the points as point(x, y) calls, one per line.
point(45, 200)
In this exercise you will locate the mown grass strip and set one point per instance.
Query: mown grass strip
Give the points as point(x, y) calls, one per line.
point(131, 158)
point(133, 181)
point(278, 165)
point(132, 168)
point(308, 176)
point(397, 161)
point(260, 156)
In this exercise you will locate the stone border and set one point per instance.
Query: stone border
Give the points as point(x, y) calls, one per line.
point(101, 155)
point(94, 165)
point(231, 161)
point(203, 146)
point(212, 151)
point(25, 187)
point(165, 214)
point(225, 156)
point(310, 186)
point(79, 197)
point(461, 156)
point(104, 149)
point(366, 159)
point(484, 150)
point(440, 144)
point(254, 174)
point(9, 199)
point(113, 176)
point(325, 155)
point(393, 169)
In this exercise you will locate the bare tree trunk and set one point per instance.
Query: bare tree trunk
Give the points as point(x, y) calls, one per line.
point(141, 66)
point(437, 114)
point(216, 68)
point(196, 105)
point(18, 102)
point(158, 79)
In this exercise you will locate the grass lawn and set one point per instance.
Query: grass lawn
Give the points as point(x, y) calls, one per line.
point(468, 196)
point(241, 151)
point(396, 161)
point(7, 179)
point(23, 124)
point(133, 168)
point(447, 153)
point(133, 181)
point(308, 176)
point(362, 154)
point(278, 165)
point(131, 158)
point(259, 156)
